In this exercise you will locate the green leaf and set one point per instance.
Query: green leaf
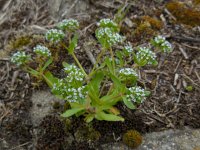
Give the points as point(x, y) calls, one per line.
point(50, 79)
point(76, 105)
point(109, 65)
point(154, 63)
point(47, 64)
point(147, 93)
point(95, 83)
point(112, 98)
point(71, 112)
point(33, 72)
point(108, 117)
point(73, 44)
point(89, 118)
point(128, 103)
point(65, 65)
point(120, 57)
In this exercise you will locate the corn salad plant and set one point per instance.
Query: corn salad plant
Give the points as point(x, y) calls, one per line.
point(113, 78)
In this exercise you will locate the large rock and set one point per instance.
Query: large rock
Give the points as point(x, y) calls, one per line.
point(186, 139)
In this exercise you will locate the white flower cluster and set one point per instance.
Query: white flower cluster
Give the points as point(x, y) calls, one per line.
point(107, 35)
point(162, 43)
point(20, 58)
point(54, 35)
point(107, 23)
point(128, 48)
point(68, 24)
point(74, 74)
point(68, 92)
point(136, 94)
point(145, 54)
point(76, 95)
point(42, 51)
point(128, 72)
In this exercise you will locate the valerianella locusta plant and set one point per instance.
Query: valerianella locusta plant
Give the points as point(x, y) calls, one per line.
point(54, 35)
point(20, 58)
point(161, 43)
point(42, 51)
point(68, 24)
point(145, 56)
point(93, 93)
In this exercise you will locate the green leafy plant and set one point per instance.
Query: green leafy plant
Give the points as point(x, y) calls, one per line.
point(113, 78)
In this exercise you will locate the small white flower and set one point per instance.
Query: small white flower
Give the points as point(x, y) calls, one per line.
point(145, 54)
point(127, 72)
point(128, 48)
point(54, 35)
point(42, 50)
point(20, 58)
point(107, 35)
point(68, 24)
point(74, 74)
point(136, 94)
point(162, 44)
point(107, 23)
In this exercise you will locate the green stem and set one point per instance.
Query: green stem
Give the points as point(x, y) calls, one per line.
point(110, 89)
point(113, 59)
point(102, 88)
point(97, 61)
point(76, 60)
point(78, 63)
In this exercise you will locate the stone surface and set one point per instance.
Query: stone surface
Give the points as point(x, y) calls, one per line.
point(65, 8)
point(186, 139)
point(42, 102)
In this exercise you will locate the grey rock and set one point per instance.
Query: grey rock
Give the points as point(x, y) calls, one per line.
point(186, 139)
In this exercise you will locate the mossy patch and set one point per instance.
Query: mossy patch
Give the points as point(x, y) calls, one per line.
point(132, 138)
point(147, 27)
point(19, 42)
point(87, 134)
point(183, 14)
point(196, 2)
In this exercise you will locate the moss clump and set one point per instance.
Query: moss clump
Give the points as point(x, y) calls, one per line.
point(20, 42)
point(132, 138)
point(183, 14)
point(189, 88)
point(196, 2)
point(154, 23)
point(87, 134)
point(144, 30)
point(147, 27)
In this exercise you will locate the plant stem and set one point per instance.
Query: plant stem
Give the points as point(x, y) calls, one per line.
point(113, 59)
point(98, 60)
point(78, 63)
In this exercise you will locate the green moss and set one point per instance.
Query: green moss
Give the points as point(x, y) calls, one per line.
point(189, 88)
point(184, 15)
point(132, 138)
point(87, 134)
